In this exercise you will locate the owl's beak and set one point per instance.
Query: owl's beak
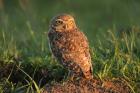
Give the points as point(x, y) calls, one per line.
point(65, 26)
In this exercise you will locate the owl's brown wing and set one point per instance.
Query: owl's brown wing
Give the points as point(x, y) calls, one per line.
point(87, 56)
point(83, 55)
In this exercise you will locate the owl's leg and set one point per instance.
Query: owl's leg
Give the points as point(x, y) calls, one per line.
point(70, 75)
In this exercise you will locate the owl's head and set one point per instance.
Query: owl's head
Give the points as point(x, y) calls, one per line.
point(63, 22)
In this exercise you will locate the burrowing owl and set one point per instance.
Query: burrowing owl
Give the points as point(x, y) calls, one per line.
point(70, 46)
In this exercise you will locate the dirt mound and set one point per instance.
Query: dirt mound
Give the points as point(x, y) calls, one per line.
point(88, 86)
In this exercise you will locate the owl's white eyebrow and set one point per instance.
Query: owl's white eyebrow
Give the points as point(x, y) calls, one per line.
point(59, 20)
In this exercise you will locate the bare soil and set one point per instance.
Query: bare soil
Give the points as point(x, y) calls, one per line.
point(88, 86)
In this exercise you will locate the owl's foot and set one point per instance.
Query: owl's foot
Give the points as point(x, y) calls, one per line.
point(72, 77)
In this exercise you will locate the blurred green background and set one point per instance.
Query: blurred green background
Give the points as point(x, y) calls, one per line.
point(17, 17)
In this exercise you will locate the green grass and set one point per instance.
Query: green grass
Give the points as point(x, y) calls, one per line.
point(26, 63)
point(28, 66)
